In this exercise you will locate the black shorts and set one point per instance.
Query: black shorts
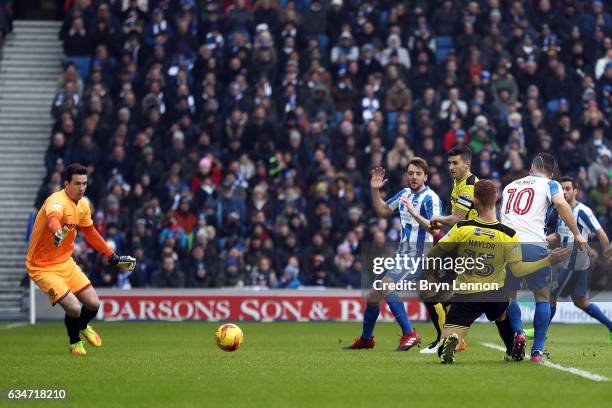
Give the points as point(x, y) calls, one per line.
point(466, 308)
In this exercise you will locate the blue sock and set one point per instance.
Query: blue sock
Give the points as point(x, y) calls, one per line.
point(595, 312)
point(541, 320)
point(514, 315)
point(369, 321)
point(553, 310)
point(399, 311)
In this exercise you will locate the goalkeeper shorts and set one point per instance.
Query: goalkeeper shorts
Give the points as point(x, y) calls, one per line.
point(56, 281)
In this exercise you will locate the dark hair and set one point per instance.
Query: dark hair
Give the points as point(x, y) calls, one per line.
point(421, 163)
point(485, 192)
point(570, 179)
point(545, 163)
point(73, 169)
point(461, 150)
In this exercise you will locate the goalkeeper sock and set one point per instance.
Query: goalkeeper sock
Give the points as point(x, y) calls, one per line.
point(72, 327)
point(506, 333)
point(86, 316)
point(399, 311)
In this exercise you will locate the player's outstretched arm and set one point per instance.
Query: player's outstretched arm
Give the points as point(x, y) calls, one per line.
point(376, 183)
point(93, 238)
point(423, 222)
point(520, 269)
point(565, 212)
point(449, 220)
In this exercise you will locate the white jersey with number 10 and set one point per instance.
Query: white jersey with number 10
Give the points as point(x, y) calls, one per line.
point(525, 206)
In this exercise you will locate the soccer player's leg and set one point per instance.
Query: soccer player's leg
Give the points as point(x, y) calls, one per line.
point(89, 310)
point(409, 338)
point(460, 316)
point(81, 286)
point(370, 315)
point(581, 301)
point(563, 283)
point(72, 307)
point(542, 314)
point(514, 342)
point(512, 284)
point(539, 283)
point(437, 315)
point(52, 281)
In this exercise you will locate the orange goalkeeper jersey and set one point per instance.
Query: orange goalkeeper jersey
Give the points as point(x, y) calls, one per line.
point(42, 250)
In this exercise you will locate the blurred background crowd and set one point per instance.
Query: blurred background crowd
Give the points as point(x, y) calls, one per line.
point(229, 143)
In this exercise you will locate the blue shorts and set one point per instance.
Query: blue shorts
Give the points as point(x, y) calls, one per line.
point(569, 282)
point(537, 280)
point(409, 274)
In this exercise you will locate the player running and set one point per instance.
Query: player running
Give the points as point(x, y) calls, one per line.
point(525, 206)
point(573, 276)
point(462, 206)
point(496, 245)
point(416, 205)
point(49, 259)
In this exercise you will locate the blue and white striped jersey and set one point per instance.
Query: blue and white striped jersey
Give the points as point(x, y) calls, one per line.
point(587, 224)
point(414, 237)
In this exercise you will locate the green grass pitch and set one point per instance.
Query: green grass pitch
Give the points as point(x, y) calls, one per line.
point(296, 364)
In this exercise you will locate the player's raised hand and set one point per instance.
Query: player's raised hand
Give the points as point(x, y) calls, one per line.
point(559, 255)
point(125, 262)
point(60, 235)
point(378, 179)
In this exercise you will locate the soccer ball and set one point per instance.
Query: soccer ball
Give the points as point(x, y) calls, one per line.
point(229, 337)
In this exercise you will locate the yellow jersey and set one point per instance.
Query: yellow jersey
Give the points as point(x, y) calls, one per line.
point(462, 196)
point(490, 245)
point(42, 251)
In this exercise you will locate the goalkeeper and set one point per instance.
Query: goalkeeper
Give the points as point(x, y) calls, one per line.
point(49, 259)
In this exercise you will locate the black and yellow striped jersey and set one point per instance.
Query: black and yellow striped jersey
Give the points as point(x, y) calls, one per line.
point(462, 196)
point(489, 244)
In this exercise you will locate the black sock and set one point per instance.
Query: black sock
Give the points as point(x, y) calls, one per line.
point(72, 328)
point(435, 317)
point(86, 316)
point(506, 333)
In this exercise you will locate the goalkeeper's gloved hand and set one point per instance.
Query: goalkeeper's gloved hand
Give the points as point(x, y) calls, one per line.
point(60, 235)
point(124, 262)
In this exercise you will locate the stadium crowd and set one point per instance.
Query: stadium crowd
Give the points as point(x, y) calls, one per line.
point(229, 143)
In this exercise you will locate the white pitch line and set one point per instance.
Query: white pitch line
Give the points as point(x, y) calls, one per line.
point(576, 371)
point(13, 325)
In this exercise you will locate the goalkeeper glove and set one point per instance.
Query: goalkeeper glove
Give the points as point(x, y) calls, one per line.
point(60, 235)
point(124, 262)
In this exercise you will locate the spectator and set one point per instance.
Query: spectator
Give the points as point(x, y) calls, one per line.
point(290, 277)
point(200, 277)
point(168, 275)
point(394, 48)
point(601, 167)
point(144, 267)
point(77, 42)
